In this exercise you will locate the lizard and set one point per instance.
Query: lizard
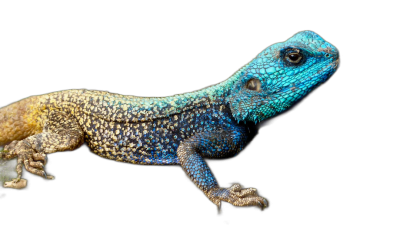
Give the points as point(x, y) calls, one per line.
point(184, 129)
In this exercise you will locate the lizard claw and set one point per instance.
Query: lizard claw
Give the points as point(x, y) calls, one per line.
point(219, 208)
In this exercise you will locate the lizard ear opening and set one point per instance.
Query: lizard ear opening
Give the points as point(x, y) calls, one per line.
point(253, 84)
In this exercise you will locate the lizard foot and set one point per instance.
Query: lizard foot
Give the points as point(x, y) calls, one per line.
point(32, 161)
point(237, 196)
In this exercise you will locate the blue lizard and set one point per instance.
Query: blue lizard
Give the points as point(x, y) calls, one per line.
point(214, 122)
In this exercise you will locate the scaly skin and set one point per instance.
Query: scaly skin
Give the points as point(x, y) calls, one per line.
point(215, 122)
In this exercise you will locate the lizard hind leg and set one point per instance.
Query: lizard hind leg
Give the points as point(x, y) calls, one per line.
point(60, 133)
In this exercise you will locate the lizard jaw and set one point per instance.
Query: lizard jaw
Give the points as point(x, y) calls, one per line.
point(333, 67)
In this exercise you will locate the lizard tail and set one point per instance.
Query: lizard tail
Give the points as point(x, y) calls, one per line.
point(16, 121)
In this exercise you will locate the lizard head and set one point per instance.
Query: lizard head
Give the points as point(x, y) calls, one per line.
point(281, 75)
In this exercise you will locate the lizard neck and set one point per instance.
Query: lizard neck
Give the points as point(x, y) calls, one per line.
point(214, 93)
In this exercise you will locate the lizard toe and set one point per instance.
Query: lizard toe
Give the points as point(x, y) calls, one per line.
point(35, 164)
point(250, 201)
point(34, 167)
point(40, 157)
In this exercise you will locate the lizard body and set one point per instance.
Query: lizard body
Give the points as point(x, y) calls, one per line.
point(214, 122)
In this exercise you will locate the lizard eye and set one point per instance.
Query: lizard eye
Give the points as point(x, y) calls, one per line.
point(294, 57)
point(253, 84)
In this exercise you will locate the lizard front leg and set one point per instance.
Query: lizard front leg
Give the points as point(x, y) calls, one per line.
point(61, 132)
point(217, 144)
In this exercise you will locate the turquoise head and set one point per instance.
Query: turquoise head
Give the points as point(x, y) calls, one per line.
point(281, 75)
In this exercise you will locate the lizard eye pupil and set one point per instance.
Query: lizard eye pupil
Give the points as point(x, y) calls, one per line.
point(253, 84)
point(294, 57)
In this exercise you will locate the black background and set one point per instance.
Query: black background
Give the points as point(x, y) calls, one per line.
point(305, 162)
